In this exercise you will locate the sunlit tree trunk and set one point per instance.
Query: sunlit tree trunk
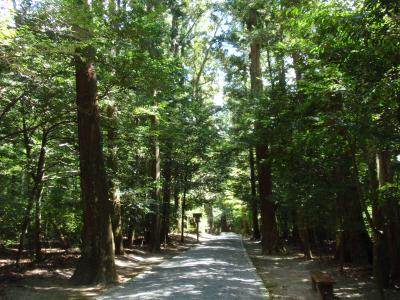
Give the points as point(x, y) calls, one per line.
point(155, 172)
point(112, 162)
point(381, 262)
point(131, 235)
point(177, 199)
point(183, 206)
point(254, 200)
point(166, 194)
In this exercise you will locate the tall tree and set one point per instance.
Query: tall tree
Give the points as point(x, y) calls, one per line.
point(254, 199)
point(112, 163)
point(269, 229)
point(96, 264)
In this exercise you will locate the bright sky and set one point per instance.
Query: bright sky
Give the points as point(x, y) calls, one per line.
point(219, 96)
point(5, 8)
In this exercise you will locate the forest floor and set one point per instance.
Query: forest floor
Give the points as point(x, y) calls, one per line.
point(49, 279)
point(288, 276)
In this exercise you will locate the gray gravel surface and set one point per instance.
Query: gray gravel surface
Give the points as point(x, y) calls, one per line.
point(219, 268)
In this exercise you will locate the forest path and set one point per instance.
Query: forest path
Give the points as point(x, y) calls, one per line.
point(219, 268)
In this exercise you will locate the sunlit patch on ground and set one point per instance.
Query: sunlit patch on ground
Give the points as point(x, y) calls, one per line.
point(288, 277)
point(50, 279)
point(217, 269)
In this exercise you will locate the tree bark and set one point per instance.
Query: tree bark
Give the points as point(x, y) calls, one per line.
point(34, 198)
point(96, 264)
point(381, 262)
point(112, 162)
point(183, 208)
point(353, 243)
point(269, 229)
point(224, 223)
point(117, 222)
point(131, 235)
point(210, 216)
point(38, 194)
point(391, 214)
point(254, 204)
point(154, 216)
point(177, 200)
point(166, 192)
point(303, 232)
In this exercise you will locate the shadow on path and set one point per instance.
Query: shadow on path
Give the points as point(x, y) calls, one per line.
point(217, 269)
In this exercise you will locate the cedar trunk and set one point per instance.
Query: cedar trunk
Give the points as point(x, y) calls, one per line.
point(381, 262)
point(254, 204)
point(353, 243)
point(390, 210)
point(38, 192)
point(166, 193)
point(96, 264)
point(210, 216)
point(34, 198)
point(302, 227)
point(154, 216)
point(112, 162)
point(269, 229)
point(183, 208)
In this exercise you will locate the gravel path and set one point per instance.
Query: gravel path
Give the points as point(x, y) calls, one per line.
point(219, 268)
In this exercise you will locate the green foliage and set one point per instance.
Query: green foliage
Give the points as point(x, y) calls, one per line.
point(331, 79)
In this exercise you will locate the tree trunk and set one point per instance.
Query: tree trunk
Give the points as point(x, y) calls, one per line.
point(391, 213)
point(117, 222)
point(167, 171)
point(155, 174)
point(269, 229)
point(96, 264)
point(353, 243)
point(112, 162)
point(177, 200)
point(38, 194)
point(303, 232)
point(254, 206)
point(380, 260)
point(210, 216)
point(224, 223)
point(131, 236)
point(183, 208)
point(34, 198)
point(166, 192)
point(38, 221)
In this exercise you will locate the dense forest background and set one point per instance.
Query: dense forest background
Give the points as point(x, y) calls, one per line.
point(278, 119)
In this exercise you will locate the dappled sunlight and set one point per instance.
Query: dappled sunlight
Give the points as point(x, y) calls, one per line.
point(288, 277)
point(218, 268)
point(132, 260)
